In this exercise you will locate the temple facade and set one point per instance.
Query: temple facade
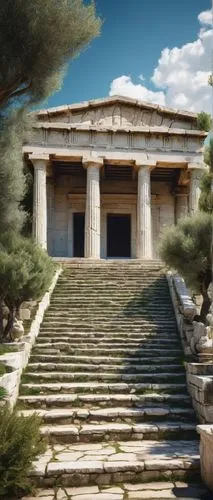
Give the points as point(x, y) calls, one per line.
point(110, 175)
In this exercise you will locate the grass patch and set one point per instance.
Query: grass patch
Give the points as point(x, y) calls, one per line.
point(5, 369)
point(33, 391)
point(3, 393)
point(5, 348)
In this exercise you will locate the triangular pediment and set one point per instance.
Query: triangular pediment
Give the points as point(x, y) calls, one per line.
point(118, 112)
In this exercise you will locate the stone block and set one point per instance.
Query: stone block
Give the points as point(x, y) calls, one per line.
point(163, 464)
point(82, 491)
point(152, 495)
point(25, 314)
point(206, 454)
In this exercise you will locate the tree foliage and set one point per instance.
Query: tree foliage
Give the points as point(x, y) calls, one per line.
point(208, 154)
point(206, 195)
point(38, 39)
point(186, 248)
point(204, 121)
point(12, 181)
point(20, 444)
point(25, 273)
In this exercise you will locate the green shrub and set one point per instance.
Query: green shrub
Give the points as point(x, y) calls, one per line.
point(204, 121)
point(20, 444)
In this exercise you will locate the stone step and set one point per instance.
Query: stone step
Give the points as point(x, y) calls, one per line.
point(91, 343)
point(105, 400)
point(99, 376)
point(114, 368)
point(144, 491)
point(99, 387)
point(64, 376)
point(120, 315)
point(88, 329)
point(121, 337)
point(152, 321)
point(114, 414)
point(110, 326)
point(122, 319)
point(132, 302)
point(117, 432)
point(152, 330)
point(110, 463)
point(143, 351)
point(107, 360)
point(135, 296)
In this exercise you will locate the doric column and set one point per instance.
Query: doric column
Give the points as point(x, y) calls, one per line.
point(181, 205)
point(50, 213)
point(194, 195)
point(40, 199)
point(144, 225)
point(93, 215)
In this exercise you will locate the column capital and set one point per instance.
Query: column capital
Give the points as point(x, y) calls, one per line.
point(39, 159)
point(146, 164)
point(90, 162)
point(196, 166)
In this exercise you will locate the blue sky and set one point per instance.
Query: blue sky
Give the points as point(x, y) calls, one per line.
point(133, 35)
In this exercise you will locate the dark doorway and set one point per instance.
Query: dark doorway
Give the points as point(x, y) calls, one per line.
point(78, 234)
point(118, 235)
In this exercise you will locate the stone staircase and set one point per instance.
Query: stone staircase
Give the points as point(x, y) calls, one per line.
point(107, 377)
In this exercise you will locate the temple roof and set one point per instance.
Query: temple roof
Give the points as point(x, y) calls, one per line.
point(117, 100)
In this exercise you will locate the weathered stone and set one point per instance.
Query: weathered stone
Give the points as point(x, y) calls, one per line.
point(163, 464)
point(107, 432)
point(206, 454)
point(69, 467)
point(150, 494)
point(99, 496)
point(81, 491)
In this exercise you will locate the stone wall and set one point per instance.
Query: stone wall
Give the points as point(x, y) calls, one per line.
point(197, 349)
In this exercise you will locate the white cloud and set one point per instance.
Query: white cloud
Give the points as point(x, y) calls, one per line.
point(205, 17)
point(124, 86)
point(180, 77)
point(141, 77)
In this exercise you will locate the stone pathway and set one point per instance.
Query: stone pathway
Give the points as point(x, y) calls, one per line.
point(145, 491)
point(107, 378)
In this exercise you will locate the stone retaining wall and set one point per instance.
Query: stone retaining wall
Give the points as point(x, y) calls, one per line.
point(199, 346)
point(196, 346)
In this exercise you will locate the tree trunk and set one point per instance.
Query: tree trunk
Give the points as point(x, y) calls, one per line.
point(18, 308)
point(205, 307)
point(1, 321)
point(9, 327)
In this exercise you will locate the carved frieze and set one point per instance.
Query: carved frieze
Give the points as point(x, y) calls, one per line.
point(120, 114)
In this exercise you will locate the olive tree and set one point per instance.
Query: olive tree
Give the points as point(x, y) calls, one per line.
point(25, 273)
point(186, 248)
point(38, 39)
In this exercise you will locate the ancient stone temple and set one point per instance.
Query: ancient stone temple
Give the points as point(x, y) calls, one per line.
point(110, 174)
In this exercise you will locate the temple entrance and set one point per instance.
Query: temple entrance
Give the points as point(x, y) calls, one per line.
point(78, 234)
point(118, 235)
